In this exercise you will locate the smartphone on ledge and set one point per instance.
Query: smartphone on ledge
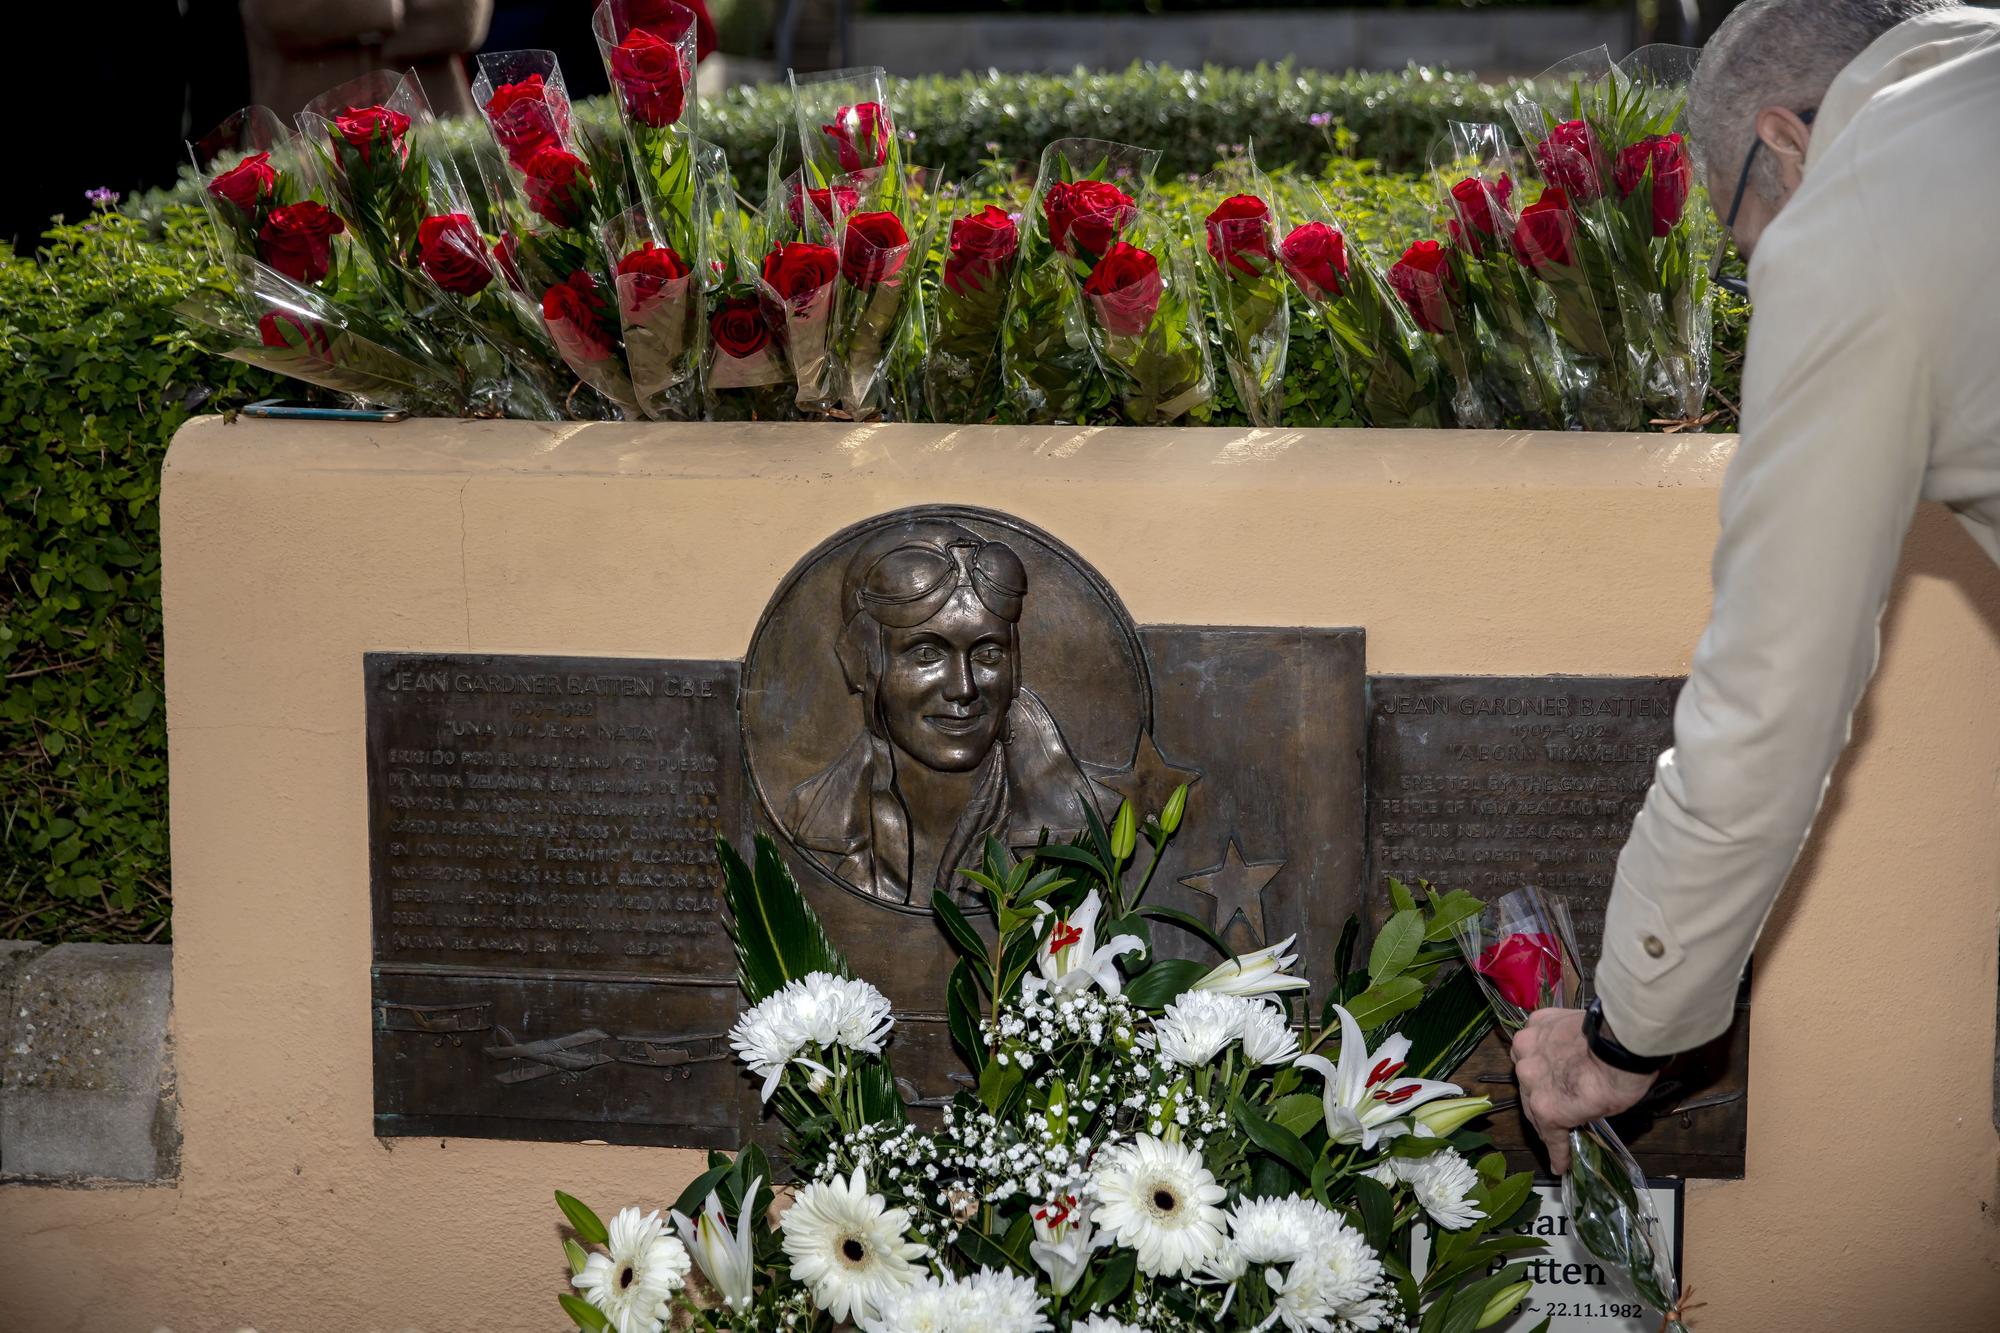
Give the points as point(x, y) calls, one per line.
point(274, 407)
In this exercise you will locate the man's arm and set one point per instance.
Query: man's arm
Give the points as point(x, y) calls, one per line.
point(1837, 423)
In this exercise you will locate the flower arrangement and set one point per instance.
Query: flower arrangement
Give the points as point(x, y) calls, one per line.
point(1146, 1142)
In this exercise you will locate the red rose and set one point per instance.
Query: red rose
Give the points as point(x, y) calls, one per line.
point(1315, 254)
point(798, 271)
point(366, 126)
point(738, 326)
point(1085, 217)
point(981, 244)
point(839, 201)
point(1126, 288)
point(558, 184)
point(1239, 234)
point(578, 318)
point(860, 135)
point(247, 184)
point(1478, 208)
point(1545, 234)
point(1673, 176)
point(873, 248)
point(506, 257)
point(526, 117)
point(1422, 279)
point(1524, 968)
point(1572, 161)
point(651, 267)
point(287, 332)
point(451, 250)
point(651, 77)
point(669, 14)
point(297, 240)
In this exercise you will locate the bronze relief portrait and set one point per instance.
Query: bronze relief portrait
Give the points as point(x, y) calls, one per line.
point(931, 678)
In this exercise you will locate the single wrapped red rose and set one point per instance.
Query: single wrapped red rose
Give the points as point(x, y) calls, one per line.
point(799, 270)
point(1422, 280)
point(651, 267)
point(451, 250)
point(1315, 254)
point(1523, 968)
point(247, 184)
point(578, 318)
point(285, 331)
point(1479, 207)
point(860, 135)
point(558, 185)
point(1239, 235)
point(527, 117)
point(1126, 288)
point(366, 127)
point(832, 203)
point(1673, 176)
point(651, 77)
point(738, 327)
point(666, 15)
point(1545, 234)
point(873, 248)
point(1085, 217)
point(981, 245)
point(1573, 161)
point(297, 240)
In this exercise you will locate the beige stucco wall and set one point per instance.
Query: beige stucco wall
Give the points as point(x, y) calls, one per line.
point(1871, 1200)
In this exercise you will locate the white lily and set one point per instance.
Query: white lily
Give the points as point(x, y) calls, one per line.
point(726, 1260)
point(1064, 1239)
point(1365, 1100)
point(1261, 972)
point(1069, 958)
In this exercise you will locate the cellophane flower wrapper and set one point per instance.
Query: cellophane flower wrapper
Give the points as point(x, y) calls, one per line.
point(1144, 313)
point(1393, 372)
point(796, 275)
point(1247, 288)
point(1049, 370)
point(659, 315)
point(1522, 950)
point(1477, 175)
point(1429, 279)
point(558, 187)
point(744, 373)
point(848, 133)
point(964, 315)
point(881, 266)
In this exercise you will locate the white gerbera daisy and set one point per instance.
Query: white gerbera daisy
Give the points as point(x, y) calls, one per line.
point(1441, 1181)
point(848, 1246)
point(1196, 1026)
point(632, 1284)
point(1267, 1038)
point(1158, 1199)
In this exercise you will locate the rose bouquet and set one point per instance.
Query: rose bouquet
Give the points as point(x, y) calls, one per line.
point(1250, 297)
point(1523, 950)
point(558, 188)
point(968, 310)
point(1429, 279)
point(1390, 364)
point(1084, 198)
point(1144, 1142)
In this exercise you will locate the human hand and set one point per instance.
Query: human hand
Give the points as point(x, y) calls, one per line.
point(1563, 1085)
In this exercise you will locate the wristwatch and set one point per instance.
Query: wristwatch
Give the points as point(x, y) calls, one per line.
point(1606, 1048)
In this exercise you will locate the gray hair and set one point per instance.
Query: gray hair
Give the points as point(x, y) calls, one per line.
point(1782, 53)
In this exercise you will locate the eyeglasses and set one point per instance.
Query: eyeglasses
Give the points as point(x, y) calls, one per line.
point(1740, 286)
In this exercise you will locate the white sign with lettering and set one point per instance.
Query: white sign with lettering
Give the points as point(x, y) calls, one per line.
point(1574, 1290)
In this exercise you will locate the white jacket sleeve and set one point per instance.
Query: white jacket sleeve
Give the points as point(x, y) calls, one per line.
point(1836, 408)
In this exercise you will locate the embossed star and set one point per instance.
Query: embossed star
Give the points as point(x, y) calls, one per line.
point(1149, 779)
point(1237, 886)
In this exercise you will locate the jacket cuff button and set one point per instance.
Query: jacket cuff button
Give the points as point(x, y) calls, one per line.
point(1653, 947)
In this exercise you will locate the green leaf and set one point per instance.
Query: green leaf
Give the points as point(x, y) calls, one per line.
point(961, 1002)
point(778, 936)
point(1378, 1004)
point(1343, 952)
point(695, 1196)
point(585, 1222)
point(1074, 856)
point(1400, 938)
point(1447, 1026)
point(1165, 980)
point(1279, 1142)
point(1377, 1211)
point(1110, 1279)
point(1448, 911)
point(586, 1316)
point(1400, 897)
point(1192, 925)
point(997, 1083)
point(960, 930)
point(1298, 1113)
point(983, 1250)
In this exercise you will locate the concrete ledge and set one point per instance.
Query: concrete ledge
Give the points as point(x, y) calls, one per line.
point(86, 1079)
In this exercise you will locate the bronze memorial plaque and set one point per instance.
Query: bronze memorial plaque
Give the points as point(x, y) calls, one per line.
point(1489, 783)
point(550, 953)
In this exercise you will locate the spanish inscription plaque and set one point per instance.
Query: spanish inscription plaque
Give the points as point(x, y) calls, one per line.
point(550, 954)
point(1490, 783)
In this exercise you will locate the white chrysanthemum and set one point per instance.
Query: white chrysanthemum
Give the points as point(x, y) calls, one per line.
point(1267, 1038)
point(1197, 1025)
point(1158, 1199)
point(1441, 1181)
point(1277, 1230)
point(848, 1246)
point(645, 1267)
point(925, 1306)
point(1001, 1303)
point(814, 1012)
point(1098, 1323)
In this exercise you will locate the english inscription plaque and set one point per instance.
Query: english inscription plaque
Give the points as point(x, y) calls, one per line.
point(1490, 783)
point(550, 954)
